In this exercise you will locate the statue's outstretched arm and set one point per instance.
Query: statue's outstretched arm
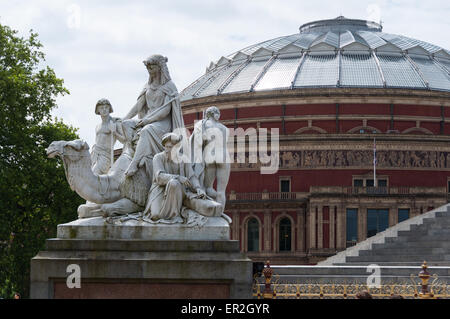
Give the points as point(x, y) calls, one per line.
point(134, 110)
point(161, 112)
point(119, 132)
point(162, 178)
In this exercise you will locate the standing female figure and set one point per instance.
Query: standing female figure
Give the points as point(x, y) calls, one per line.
point(102, 155)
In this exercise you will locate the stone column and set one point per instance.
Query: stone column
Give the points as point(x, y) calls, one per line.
point(274, 233)
point(312, 227)
point(235, 225)
point(341, 227)
point(242, 230)
point(393, 215)
point(307, 228)
point(362, 223)
point(300, 228)
point(320, 227)
point(332, 223)
point(414, 211)
point(267, 230)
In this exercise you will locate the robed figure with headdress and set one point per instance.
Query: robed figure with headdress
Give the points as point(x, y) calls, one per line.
point(159, 112)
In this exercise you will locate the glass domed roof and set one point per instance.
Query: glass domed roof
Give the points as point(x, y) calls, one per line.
point(338, 52)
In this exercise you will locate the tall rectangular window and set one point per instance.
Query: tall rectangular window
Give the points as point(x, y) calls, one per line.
point(358, 183)
point(352, 226)
point(381, 183)
point(377, 221)
point(285, 186)
point(403, 214)
point(381, 187)
point(253, 235)
point(285, 232)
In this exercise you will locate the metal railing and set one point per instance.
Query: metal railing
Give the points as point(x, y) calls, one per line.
point(383, 190)
point(339, 190)
point(265, 196)
point(272, 289)
point(379, 190)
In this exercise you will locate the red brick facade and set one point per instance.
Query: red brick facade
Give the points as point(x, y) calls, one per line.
point(337, 137)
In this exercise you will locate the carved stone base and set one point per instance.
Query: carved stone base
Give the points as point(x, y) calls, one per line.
point(184, 269)
point(201, 228)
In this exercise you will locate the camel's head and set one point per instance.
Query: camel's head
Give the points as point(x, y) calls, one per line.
point(68, 149)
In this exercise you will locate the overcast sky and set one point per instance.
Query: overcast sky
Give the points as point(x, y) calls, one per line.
point(97, 47)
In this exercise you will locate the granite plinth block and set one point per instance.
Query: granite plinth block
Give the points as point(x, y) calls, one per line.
point(133, 268)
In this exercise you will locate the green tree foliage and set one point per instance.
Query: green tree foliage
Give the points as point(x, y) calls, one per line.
point(34, 194)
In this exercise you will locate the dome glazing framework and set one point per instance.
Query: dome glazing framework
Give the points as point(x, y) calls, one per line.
point(328, 53)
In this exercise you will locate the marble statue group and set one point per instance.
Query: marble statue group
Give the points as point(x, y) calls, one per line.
point(164, 174)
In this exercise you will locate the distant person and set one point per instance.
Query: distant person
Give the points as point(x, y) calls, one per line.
point(16, 295)
point(363, 295)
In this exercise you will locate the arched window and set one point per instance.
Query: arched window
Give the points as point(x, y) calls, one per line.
point(285, 234)
point(253, 235)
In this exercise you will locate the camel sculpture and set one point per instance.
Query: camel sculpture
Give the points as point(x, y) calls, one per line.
point(106, 194)
point(114, 193)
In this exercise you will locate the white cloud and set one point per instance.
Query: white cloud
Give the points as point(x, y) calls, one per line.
point(99, 53)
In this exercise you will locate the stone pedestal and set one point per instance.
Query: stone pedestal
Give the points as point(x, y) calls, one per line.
point(144, 265)
point(215, 228)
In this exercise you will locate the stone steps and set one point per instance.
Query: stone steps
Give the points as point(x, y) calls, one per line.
point(426, 238)
point(442, 213)
point(356, 270)
point(396, 263)
point(405, 245)
point(399, 251)
point(436, 222)
point(353, 274)
point(351, 279)
point(399, 258)
point(423, 232)
point(426, 228)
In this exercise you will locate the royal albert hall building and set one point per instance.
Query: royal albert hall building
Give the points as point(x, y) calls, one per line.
point(332, 89)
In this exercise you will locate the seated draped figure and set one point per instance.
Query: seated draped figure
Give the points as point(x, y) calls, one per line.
point(175, 188)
